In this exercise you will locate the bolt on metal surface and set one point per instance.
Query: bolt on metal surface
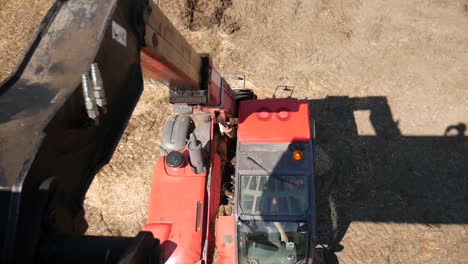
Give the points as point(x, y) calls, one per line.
point(98, 87)
point(88, 96)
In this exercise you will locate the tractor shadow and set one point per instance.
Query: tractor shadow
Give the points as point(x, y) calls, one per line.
point(386, 177)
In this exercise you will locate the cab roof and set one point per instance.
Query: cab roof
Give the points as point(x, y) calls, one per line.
point(274, 120)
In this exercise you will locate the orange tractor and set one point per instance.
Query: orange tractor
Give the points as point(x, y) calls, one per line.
point(235, 181)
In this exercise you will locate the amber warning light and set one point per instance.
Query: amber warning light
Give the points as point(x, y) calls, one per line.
point(297, 155)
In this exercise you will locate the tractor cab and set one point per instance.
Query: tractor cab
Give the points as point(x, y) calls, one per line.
point(274, 188)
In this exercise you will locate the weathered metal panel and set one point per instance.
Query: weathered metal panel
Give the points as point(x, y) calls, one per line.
point(44, 131)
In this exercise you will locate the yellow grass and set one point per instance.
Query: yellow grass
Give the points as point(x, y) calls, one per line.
point(19, 20)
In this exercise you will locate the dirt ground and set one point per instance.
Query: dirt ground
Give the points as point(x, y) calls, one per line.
point(18, 22)
point(385, 79)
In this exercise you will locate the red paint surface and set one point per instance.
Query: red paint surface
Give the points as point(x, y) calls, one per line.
point(156, 68)
point(213, 199)
point(173, 205)
point(275, 120)
point(225, 242)
point(172, 211)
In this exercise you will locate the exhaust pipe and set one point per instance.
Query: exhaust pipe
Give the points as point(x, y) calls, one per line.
point(195, 153)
